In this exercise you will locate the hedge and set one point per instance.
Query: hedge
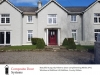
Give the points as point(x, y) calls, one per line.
point(34, 41)
point(65, 42)
point(40, 43)
point(69, 43)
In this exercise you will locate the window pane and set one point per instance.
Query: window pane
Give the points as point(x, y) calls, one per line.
point(29, 31)
point(28, 37)
point(96, 36)
point(5, 15)
point(73, 17)
point(95, 20)
point(30, 34)
point(29, 18)
point(52, 15)
point(54, 20)
point(1, 37)
point(73, 30)
point(99, 20)
point(74, 36)
point(7, 37)
point(7, 20)
point(2, 20)
point(50, 20)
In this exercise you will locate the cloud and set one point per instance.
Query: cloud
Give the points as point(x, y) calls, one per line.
point(34, 2)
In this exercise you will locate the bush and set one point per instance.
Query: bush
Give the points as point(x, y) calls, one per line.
point(71, 43)
point(34, 41)
point(43, 42)
point(40, 43)
point(65, 42)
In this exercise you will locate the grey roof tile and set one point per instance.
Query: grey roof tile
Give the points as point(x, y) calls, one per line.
point(33, 9)
point(27, 9)
point(75, 9)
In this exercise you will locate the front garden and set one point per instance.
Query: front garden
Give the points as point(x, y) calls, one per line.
point(39, 44)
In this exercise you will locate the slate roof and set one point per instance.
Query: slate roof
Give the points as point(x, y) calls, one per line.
point(27, 9)
point(76, 9)
point(33, 9)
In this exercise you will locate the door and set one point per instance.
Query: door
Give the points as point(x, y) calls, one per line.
point(1, 37)
point(4, 37)
point(52, 37)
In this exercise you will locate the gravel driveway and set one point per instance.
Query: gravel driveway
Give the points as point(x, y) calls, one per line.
point(46, 57)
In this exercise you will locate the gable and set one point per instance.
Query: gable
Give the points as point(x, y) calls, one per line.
point(91, 5)
point(7, 1)
point(49, 4)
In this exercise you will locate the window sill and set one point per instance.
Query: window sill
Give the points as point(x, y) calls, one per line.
point(96, 23)
point(30, 23)
point(5, 24)
point(73, 22)
point(28, 41)
point(52, 24)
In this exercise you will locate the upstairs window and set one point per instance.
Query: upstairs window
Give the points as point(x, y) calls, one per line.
point(73, 18)
point(29, 19)
point(97, 18)
point(52, 19)
point(5, 18)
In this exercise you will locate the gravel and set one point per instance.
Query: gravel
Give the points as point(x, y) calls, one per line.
point(46, 57)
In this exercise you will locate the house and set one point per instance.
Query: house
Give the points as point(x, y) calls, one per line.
point(52, 22)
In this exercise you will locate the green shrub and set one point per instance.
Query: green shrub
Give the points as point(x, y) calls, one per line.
point(40, 44)
point(34, 41)
point(65, 42)
point(71, 43)
point(43, 42)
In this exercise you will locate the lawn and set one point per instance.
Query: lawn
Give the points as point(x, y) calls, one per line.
point(26, 47)
point(86, 48)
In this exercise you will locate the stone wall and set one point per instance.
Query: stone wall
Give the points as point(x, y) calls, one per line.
point(97, 53)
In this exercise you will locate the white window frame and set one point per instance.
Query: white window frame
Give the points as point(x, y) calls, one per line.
point(98, 17)
point(96, 32)
point(28, 19)
point(52, 23)
point(74, 33)
point(29, 34)
point(73, 18)
point(4, 18)
point(5, 37)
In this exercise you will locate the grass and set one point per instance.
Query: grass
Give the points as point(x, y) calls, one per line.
point(83, 48)
point(26, 47)
point(86, 48)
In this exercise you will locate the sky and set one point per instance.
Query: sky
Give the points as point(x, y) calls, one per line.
point(62, 2)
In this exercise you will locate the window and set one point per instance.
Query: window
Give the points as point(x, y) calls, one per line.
point(73, 18)
point(97, 18)
point(96, 31)
point(5, 37)
point(5, 18)
point(30, 19)
point(74, 35)
point(52, 19)
point(29, 35)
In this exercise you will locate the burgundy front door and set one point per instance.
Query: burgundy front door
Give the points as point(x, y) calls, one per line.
point(52, 37)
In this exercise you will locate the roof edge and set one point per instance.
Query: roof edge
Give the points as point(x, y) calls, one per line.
point(49, 3)
point(92, 4)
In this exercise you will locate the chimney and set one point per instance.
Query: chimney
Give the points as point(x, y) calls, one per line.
point(39, 4)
